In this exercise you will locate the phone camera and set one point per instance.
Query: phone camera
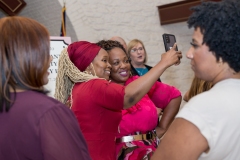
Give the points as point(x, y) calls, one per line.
point(167, 39)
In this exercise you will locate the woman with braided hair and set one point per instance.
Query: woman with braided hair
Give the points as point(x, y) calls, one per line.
point(97, 103)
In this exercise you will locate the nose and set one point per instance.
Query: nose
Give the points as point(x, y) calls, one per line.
point(189, 53)
point(123, 65)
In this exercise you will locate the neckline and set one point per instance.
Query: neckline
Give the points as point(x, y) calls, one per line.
point(141, 71)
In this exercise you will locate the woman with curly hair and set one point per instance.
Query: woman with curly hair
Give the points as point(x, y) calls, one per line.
point(139, 130)
point(207, 127)
point(83, 77)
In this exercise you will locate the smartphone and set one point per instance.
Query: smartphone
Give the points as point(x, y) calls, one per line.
point(169, 40)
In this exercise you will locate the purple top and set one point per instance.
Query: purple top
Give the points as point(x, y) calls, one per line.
point(40, 128)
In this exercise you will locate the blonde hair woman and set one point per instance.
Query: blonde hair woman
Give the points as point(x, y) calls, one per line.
point(198, 86)
point(138, 55)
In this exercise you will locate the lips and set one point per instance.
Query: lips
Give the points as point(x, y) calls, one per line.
point(124, 73)
point(108, 72)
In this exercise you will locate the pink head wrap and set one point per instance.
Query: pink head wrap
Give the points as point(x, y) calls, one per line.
point(82, 53)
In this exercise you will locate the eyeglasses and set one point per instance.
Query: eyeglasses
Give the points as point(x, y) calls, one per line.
point(136, 49)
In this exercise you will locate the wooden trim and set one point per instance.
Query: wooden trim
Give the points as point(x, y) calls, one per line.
point(178, 11)
point(12, 7)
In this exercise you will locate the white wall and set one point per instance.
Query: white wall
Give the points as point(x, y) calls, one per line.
point(94, 20)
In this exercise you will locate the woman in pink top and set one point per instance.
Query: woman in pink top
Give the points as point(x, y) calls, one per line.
point(83, 73)
point(139, 129)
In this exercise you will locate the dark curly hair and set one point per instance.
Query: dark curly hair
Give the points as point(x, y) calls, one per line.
point(219, 23)
point(108, 45)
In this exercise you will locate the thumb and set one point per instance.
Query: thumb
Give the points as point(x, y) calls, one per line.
point(174, 46)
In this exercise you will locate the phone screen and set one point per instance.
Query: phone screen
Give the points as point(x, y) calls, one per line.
point(169, 41)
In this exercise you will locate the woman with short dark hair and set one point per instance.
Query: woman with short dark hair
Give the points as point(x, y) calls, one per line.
point(207, 127)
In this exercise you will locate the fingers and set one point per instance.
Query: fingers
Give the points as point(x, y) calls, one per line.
point(174, 46)
point(172, 57)
point(179, 54)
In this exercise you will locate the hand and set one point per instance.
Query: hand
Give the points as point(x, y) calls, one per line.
point(159, 111)
point(68, 103)
point(172, 56)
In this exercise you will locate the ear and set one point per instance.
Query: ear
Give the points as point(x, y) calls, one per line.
point(89, 69)
point(220, 60)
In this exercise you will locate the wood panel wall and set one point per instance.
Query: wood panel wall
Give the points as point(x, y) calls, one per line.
point(178, 11)
point(12, 7)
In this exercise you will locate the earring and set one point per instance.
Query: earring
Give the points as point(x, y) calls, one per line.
point(130, 73)
point(220, 60)
point(90, 73)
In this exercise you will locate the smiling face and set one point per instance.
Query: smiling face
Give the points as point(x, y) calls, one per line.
point(120, 65)
point(204, 63)
point(137, 55)
point(101, 66)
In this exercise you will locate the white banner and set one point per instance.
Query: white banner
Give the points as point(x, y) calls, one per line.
point(57, 44)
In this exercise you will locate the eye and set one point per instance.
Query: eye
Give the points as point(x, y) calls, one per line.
point(105, 60)
point(133, 50)
point(127, 61)
point(115, 63)
point(141, 48)
point(194, 45)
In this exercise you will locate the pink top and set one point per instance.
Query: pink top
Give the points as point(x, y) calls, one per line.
point(143, 115)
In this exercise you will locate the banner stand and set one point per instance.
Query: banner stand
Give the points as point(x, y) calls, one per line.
point(57, 44)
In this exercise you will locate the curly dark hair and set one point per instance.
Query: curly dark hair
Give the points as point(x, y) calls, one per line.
point(110, 44)
point(219, 23)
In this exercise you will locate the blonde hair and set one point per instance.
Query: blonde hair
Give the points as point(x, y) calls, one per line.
point(198, 86)
point(133, 43)
point(68, 74)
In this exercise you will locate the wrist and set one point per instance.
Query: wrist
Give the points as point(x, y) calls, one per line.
point(160, 131)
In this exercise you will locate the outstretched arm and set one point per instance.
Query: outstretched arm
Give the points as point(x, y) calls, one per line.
point(183, 140)
point(168, 116)
point(137, 89)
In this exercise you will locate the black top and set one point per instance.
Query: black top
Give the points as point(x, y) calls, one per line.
point(134, 71)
